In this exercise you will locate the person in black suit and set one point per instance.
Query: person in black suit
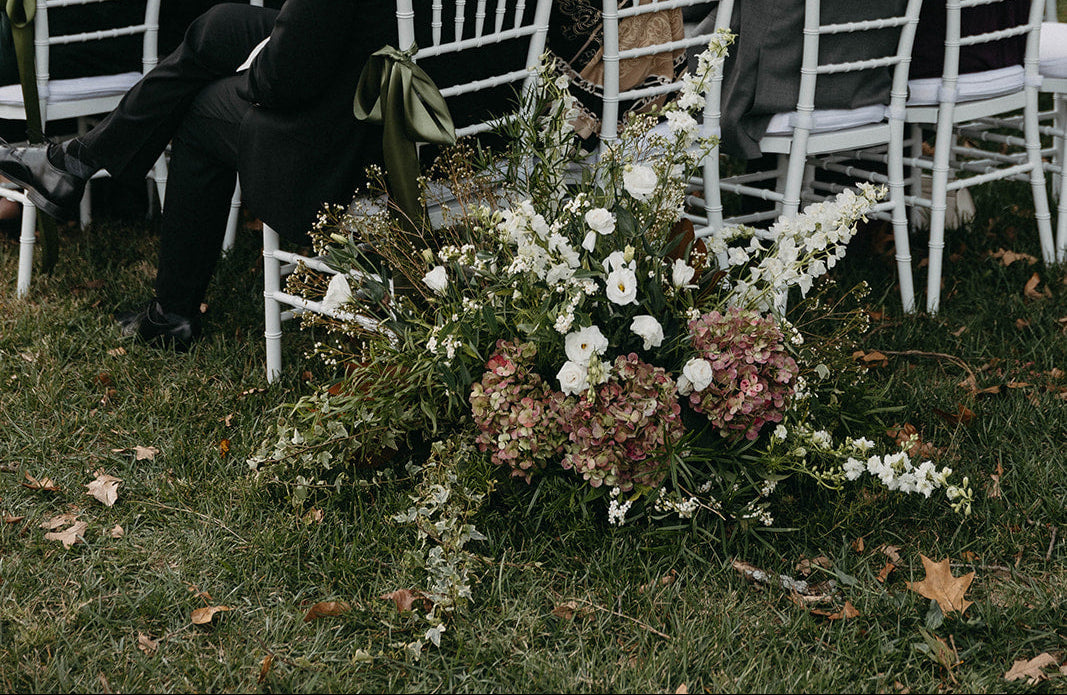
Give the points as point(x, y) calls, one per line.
point(285, 124)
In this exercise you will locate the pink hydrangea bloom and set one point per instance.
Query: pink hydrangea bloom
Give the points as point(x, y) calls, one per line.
point(754, 376)
point(620, 435)
point(517, 415)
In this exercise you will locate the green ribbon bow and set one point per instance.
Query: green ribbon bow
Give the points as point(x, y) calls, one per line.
point(397, 93)
point(21, 14)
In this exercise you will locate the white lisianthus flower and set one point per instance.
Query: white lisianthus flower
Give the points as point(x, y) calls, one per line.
point(436, 279)
point(589, 242)
point(581, 345)
point(337, 294)
point(600, 221)
point(681, 273)
point(698, 372)
point(622, 286)
point(648, 329)
point(617, 260)
point(639, 181)
point(572, 378)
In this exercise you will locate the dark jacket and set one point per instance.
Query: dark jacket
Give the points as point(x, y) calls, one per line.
point(300, 146)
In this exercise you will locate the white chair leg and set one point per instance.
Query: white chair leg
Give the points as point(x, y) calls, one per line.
point(272, 310)
point(938, 206)
point(1037, 178)
point(916, 139)
point(902, 245)
point(85, 209)
point(27, 240)
point(159, 174)
point(231, 222)
point(1060, 183)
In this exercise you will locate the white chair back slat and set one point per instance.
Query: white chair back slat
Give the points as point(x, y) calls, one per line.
point(460, 20)
point(437, 22)
point(479, 17)
point(405, 24)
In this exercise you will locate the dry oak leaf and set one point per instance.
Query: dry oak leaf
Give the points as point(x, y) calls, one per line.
point(202, 616)
point(57, 521)
point(325, 609)
point(146, 644)
point(145, 453)
point(848, 611)
point(568, 610)
point(69, 536)
point(942, 587)
point(1031, 670)
point(1030, 291)
point(682, 689)
point(105, 488)
point(46, 484)
point(117, 532)
point(403, 598)
point(1008, 257)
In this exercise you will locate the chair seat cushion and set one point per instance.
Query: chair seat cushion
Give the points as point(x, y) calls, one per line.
point(76, 89)
point(1054, 49)
point(971, 86)
point(825, 120)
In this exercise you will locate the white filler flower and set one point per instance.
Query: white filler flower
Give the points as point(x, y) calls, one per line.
point(583, 344)
point(698, 372)
point(648, 329)
point(436, 279)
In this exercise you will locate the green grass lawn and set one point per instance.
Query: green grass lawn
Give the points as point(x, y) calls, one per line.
point(563, 601)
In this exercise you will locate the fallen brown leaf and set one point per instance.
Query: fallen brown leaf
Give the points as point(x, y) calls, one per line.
point(313, 516)
point(883, 574)
point(326, 609)
point(224, 447)
point(105, 488)
point(46, 484)
point(682, 689)
point(847, 611)
point(1031, 291)
point(8, 519)
point(146, 644)
point(116, 532)
point(264, 668)
point(57, 521)
point(1009, 257)
point(1031, 669)
point(145, 453)
point(857, 545)
point(69, 536)
point(871, 359)
point(404, 599)
point(890, 551)
point(202, 616)
point(939, 585)
point(569, 610)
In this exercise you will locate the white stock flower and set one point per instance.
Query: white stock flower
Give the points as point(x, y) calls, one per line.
point(698, 372)
point(648, 329)
point(600, 221)
point(622, 286)
point(639, 181)
point(436, 279)
point(681, 273)
point(337, 294)
point(581, 345)
point(572, 378)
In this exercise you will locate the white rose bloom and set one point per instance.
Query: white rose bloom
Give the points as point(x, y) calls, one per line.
point(681, 273)
point(639, 181)
point(648, 329)
point(698, 372)
point(572, 378)
point(600, 221)
point(436, 279)
point(685, 387)
point(337, 294)
point(622, 286)
point(583, 344)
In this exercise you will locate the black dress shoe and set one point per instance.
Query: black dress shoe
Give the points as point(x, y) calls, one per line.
point(54, 190)
point(160, 328)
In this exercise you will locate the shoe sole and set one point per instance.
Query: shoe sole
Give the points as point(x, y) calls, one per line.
point(39, 201)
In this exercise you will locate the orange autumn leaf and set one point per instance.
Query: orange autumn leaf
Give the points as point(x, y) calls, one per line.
point(939, 585)
point(202, 616)
point(324, 609)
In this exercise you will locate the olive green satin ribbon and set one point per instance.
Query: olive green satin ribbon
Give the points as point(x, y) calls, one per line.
point(398, 94)
point(21, 14)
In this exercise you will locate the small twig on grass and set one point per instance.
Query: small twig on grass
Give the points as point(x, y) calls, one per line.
point(1051, 544)
point(936, 355)
point(623, 615)
point(202, 516)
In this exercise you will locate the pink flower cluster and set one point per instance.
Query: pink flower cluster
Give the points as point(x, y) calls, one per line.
point(519, 418)
point(753, 377)
point(620, 436)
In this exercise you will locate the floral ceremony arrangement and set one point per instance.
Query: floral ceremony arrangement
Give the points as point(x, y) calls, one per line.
point(564, 322)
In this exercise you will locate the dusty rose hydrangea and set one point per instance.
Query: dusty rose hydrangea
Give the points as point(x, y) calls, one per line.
point(753, 377)
point(517, 415)
point(620, 436)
